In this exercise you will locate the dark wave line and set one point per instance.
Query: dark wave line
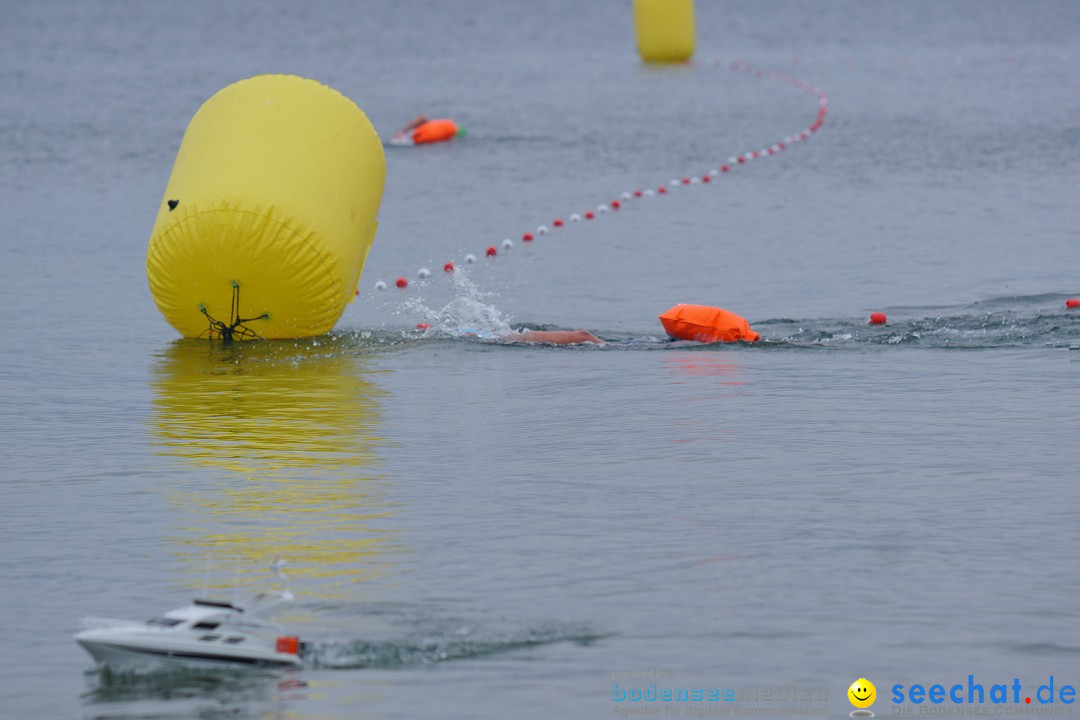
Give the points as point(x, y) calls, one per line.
point(394, 654)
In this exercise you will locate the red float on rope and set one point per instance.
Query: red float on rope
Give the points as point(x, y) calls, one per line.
point(448, 267)
point(401, 282)
point(527, 237)
point(491, 251)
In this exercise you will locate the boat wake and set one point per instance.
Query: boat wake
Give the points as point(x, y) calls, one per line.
point(460, 643)
point(1030, 321)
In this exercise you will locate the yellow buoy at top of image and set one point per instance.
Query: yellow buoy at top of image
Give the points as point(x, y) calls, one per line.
point(665, 30)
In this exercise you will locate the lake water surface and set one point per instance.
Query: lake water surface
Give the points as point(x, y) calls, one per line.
point(480, 529)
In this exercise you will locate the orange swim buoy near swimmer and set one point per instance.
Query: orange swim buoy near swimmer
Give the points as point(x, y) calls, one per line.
point(435, 131)
point(706, 324)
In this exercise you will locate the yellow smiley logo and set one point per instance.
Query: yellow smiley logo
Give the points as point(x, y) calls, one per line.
point(862, 693)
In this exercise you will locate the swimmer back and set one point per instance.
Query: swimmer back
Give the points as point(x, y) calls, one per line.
point(706, 324)
point(434, 131)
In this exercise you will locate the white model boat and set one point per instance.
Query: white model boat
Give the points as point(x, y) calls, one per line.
point(203, 632)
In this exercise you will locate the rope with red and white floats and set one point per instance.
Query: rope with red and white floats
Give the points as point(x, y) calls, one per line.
point(732, 163)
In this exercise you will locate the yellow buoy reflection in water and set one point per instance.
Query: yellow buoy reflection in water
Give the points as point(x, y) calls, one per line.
point(283, 439)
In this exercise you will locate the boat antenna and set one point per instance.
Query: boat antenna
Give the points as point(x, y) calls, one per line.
point(206, 576)
point(278, 568)
point(236, 580)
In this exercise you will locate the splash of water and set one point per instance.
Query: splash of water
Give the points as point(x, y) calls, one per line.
point(467, 315)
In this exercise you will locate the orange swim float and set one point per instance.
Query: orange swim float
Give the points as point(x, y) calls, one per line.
point(435, 131)
point(706, 324)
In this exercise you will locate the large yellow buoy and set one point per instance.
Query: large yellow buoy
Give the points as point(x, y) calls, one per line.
point(269, 212)
point(665, 29)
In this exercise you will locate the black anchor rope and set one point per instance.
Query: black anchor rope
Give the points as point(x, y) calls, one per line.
point(236, 329)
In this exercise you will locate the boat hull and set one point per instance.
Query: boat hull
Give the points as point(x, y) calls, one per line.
point(134, 651)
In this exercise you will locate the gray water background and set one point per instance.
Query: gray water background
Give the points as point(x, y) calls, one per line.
point(482, 530)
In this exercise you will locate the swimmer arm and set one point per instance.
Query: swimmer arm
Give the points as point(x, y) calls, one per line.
point(556, 337)
point(414, 123)
point(401, 134)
